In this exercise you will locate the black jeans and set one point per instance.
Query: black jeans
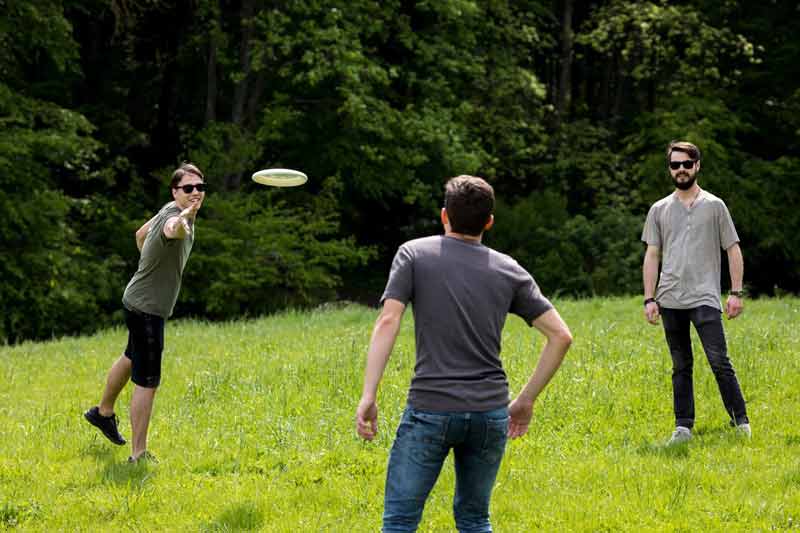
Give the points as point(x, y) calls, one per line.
point(708, 324)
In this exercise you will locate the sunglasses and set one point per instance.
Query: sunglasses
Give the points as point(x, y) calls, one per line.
point(201, 187)
point(675, 165)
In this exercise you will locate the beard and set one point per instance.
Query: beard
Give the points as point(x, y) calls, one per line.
point(684, 185)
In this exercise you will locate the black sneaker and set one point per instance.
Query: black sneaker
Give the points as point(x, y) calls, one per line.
point(144, 457)
point(106, 424)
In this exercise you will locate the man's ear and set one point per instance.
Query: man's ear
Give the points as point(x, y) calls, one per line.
point(489, 223)
point(443, 216)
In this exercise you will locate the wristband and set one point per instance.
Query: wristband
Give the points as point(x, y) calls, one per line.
point(738, 294)
point(649, 300)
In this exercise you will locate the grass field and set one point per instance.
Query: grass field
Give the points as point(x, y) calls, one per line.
point(253, 428)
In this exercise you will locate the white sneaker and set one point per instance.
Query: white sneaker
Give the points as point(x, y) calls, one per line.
point(744, 430)
point(681, 434)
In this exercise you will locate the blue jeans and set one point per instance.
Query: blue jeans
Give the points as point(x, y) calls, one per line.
point(422, 443)
point(708, 323)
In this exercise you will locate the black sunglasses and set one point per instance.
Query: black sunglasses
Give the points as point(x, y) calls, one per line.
point(201, 187)
point(675, 165)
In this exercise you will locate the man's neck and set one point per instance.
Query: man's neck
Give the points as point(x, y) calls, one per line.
point(688, 195)
point(463, 236)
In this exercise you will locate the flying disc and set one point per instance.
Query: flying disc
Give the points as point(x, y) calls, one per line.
point(280, 177)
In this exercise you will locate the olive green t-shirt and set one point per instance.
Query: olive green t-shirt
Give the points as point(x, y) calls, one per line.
point(154, 287)
point(691, 240)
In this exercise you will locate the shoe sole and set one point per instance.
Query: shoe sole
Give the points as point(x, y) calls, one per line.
point(113, 440)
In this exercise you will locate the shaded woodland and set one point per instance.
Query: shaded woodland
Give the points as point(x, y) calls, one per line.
point(565, 106)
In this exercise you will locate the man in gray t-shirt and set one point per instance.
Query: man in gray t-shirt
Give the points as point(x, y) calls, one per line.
point(687, 231)
point(461, 293)
point(165, 242)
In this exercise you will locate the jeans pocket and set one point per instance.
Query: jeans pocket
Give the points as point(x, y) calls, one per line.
point(422, 426)
point(422, 435)
point(494, 444)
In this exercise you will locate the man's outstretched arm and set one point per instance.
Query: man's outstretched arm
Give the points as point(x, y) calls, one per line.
point(380, 348)
point(558, 342)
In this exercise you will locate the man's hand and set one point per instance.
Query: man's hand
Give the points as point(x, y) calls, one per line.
point(734, 306)
point(180, 226)
point(520, 413)
point(651, 312)
point(367, 419)
point(187, 217)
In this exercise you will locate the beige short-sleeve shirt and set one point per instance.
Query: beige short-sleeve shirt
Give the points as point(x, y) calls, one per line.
point(691, 240)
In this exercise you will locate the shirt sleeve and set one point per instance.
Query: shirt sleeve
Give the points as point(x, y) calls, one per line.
point(651, 233)
point(529, 302)
point(400, 285)
point(727, 231)
point(157, 228)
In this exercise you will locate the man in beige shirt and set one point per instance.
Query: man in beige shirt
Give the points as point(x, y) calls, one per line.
point(686, 231)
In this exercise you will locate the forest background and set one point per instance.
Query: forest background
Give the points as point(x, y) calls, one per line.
point(565, 106)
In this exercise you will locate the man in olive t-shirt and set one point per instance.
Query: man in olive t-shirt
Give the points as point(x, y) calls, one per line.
point(165, 242)
point(687, 231)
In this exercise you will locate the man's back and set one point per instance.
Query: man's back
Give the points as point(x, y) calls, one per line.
point(461, 293)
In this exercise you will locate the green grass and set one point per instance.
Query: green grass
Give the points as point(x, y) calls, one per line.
point(253, 427)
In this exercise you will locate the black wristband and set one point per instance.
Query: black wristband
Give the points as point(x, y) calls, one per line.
point(738, 294)
point(649, 300)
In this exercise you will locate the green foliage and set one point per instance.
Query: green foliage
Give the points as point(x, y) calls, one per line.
point(763, 203)
point(571, 255)
point(222, 149)
point(706, 122)
point(100, 99)
point(32, 33)
point(255, 254)
point(677, 45)
point(53, 283)
point(394, 98)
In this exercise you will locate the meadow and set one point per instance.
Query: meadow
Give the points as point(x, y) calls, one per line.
point(253, 428)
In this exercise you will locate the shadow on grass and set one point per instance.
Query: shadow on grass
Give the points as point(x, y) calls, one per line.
point(792, 440)
point(704, 436)
point(123, 473)
point(240, 517)
point(101, 451)
point(115, 470)
point(792, 479)
point(678, 452)
point(716, 431)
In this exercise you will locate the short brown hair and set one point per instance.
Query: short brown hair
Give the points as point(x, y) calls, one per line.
point(682, 146)
point(181, 171)
point(469, 201)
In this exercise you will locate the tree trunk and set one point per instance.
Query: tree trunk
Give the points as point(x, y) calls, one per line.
point(211, 82)
point(564, 94)
point(252, 107)
point(245, 64)
point(240, 92)
point(604, 103)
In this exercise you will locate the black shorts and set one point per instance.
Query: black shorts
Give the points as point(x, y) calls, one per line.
point(145, 344)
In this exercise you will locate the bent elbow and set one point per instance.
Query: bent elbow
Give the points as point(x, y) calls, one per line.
point(388, 321)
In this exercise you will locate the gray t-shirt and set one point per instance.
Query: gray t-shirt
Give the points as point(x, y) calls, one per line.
point(461, 293)
point(691, 241)
point(154, 287)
